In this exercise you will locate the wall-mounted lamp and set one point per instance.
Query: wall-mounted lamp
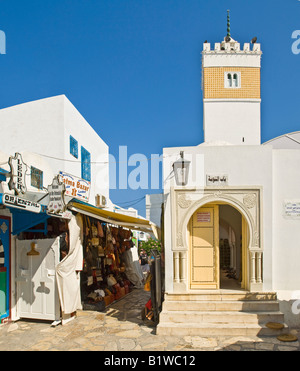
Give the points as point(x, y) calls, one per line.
point(181, 170)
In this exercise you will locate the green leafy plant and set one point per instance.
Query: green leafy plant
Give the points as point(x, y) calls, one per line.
point(149, 245)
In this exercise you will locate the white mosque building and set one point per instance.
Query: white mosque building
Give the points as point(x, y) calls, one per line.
point(232, 222)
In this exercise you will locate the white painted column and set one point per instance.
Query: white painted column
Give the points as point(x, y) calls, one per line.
point(252, 267)
point(183, 267)
point(176, 266)
point(258, 273)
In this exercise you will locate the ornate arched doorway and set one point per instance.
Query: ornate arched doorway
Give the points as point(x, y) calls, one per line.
point(197, 269)
point(218, 248)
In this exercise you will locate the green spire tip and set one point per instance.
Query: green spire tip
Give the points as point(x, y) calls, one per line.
point(228, 23)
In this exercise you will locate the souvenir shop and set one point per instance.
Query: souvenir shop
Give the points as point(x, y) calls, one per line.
point(88, 257)
point(107, 259)
point(109, 272)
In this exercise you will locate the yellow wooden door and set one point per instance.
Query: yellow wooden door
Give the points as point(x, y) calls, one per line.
point(204, 248)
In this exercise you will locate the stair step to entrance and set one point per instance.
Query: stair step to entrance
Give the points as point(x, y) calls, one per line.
point(220, 305)
point(222, 317)
point(207, 329)
point(220, 312)
point(207, 295)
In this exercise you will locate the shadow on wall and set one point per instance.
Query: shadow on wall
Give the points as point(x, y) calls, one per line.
point(291, 310)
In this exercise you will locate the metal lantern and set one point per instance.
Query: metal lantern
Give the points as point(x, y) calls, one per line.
point(181, 170)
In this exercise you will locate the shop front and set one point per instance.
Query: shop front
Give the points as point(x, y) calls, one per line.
point(58, 253)
point(109, 271)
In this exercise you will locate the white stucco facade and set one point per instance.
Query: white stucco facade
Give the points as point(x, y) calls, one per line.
point(258, 182)
point(44, 127)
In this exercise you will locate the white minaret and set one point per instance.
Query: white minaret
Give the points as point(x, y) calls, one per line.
point(231, 92)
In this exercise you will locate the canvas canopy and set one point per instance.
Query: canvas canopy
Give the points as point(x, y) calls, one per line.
point(127, 221)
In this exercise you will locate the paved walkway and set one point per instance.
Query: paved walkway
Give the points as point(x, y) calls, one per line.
point(121, 328)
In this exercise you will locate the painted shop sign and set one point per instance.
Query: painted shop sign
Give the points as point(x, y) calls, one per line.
point(57, 206)
point(21, 203)
point(292, 209)
point(17, 174)
point(76, 187)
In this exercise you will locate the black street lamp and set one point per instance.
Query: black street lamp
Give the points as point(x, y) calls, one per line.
point(181, 170)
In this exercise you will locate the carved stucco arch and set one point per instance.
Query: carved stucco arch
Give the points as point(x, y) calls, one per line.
point(191, 207)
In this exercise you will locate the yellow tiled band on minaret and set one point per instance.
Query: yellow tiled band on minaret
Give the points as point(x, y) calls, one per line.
point(214, 88)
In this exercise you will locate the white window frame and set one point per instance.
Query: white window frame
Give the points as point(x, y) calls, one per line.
point(226, 80)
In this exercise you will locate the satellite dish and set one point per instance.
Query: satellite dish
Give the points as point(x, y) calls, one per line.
point(253, 41)
point(227, 39)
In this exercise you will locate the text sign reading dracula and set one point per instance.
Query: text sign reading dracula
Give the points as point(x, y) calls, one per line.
point(76, 187)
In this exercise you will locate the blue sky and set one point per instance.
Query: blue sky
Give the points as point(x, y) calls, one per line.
point(133, 67)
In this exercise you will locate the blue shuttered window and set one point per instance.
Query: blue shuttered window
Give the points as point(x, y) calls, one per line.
point(36, 178)
point(85, 164)
point(73, 146)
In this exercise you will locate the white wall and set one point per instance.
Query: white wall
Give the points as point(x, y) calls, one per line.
point(286, 234)
point(286, 231)
point(44, 127)
point(154, 207)
point(233, 121)
point(245, 166)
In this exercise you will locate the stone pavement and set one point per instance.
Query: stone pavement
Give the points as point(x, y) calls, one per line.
point(121, 328)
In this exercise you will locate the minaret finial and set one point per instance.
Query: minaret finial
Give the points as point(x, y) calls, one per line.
point(228, 23)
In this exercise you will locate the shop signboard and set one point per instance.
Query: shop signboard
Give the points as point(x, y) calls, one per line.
point(57, 206)
point(21, 203)
point(17, 174)
point(76, 187)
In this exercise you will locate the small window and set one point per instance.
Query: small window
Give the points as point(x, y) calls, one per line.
point(229, 80)
point(36, 178)
point(85, 164)
point(73, 146)
point(232, 80)
point(235, 80)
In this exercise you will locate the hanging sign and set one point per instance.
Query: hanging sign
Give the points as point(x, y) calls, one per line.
point(21, 203)
point(76, 187)
point(17, 174)
point(57, 206)
point(56, 196)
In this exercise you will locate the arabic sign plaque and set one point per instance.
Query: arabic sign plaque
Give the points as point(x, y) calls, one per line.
point(217, 180)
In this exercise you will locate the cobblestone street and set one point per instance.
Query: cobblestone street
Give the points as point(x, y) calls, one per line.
point(121, 328)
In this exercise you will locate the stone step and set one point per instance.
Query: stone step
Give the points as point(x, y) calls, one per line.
point(221, 317)
point(208, 329)
point(221, 305)
point(219, 295)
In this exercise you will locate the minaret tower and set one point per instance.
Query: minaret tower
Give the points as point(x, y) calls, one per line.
point(231, 91)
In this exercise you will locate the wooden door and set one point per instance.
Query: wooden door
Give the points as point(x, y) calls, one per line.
point(204, 248)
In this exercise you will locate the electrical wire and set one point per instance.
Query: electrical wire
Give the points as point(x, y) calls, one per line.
point(98, 162)
point(128, 202)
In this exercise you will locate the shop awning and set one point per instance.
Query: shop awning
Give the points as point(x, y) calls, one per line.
point(3, 175)
point(122, 220)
